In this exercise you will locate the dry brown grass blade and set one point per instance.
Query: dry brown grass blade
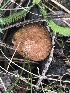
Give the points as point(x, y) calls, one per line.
point(58, 16)
point(58, 4)
point(66, 23)
point(13, 56)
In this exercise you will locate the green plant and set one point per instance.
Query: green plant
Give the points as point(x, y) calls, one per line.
point(1, 31)
point(59, 29)
point(5, 4)
point(36, 1)
point(14, 84)
point(43, 11)
point(52, 25)
point(14, 17)
point(29, 75)
point(60, 90)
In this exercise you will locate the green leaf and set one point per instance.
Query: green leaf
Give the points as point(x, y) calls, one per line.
point(1, 31)
point(60, 91)
point(36, 1)
point(5, 4)
point(14, 84)
point(59, 29)
point(14, 17)
point(43, 11)
point(52, 25)
point(1, 21)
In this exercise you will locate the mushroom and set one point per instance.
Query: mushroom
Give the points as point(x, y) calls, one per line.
point(35, 42)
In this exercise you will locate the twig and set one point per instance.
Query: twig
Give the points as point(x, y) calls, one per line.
point(64, 8)
point(28, 3)
point(27, 10)
point(58, 80)
point(1, 2)
point(49, 9)
point(31, 21)
point(18, 65)
point(9, 6)
point(13, 55)
point(19, 8)
point(47, 63)
point(17, 75)
point(6, 45)
point(58, 16)
point(50, 57)
point(66, 22)
point(53, 6)
point(2, 84)
point(15, 59)
point(66, 18)
point(25, 22)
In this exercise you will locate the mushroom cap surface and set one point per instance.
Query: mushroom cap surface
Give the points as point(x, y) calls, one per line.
point(35, 42)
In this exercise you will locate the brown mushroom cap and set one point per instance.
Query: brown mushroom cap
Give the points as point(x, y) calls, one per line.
point(35, 42)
